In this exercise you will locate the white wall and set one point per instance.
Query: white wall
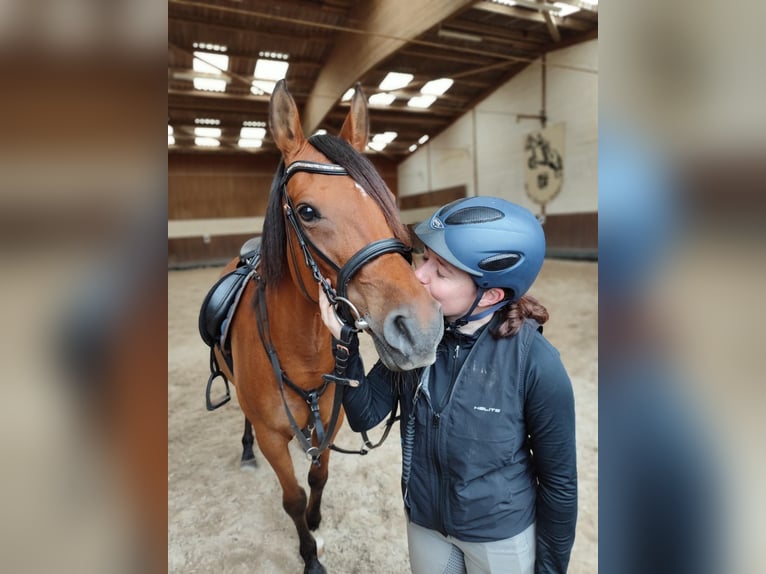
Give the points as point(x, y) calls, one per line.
point(484, 149)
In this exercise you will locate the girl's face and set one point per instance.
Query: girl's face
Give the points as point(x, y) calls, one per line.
point(450, 286)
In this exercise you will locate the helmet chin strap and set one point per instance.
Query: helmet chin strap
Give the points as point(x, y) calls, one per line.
point(467, 318)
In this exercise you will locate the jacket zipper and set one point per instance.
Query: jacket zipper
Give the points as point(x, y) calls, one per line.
point(443, 486)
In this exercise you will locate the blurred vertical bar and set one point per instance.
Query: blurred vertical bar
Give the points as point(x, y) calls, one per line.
point(682, 321)
point(83, 298)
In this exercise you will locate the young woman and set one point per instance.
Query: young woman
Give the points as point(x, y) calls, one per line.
point(488, 433)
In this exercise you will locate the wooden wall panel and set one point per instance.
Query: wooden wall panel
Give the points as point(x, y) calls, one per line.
point(193, 251)
point(572, 235)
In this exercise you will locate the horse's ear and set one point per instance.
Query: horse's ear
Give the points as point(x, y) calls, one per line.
point(356, 127)
point(284, 122)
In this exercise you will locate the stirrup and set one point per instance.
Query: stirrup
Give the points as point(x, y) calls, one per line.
point(211, 406)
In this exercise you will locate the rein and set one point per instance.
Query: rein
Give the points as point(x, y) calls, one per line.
point(350, 317)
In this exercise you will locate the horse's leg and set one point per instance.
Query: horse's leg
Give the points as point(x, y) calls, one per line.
point(248, 458)
point(317, 480)
point(274, 447)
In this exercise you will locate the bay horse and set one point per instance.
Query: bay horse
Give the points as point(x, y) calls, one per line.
point(331, 221)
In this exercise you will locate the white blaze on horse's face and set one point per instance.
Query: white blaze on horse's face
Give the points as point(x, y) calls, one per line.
point(361, 189)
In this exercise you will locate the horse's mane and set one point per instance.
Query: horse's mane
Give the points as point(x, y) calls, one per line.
point(361, 170)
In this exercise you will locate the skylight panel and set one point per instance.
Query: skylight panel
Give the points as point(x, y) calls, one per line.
point(423, 139)
point(421, 101)
point(250, 143)
point(347, 96)
point(380, 141)
point(413, 147)
point(206, 142)
point(171, 140)
point(270, 69)
point(170, 130)
point(262, 87)
point(377, 146)
point(395, 81)
point(207, 132)
point(385, 137)
point(565, 9)
point(252, 133)
point(209, 62)
point(437, 87)
point(381, 99)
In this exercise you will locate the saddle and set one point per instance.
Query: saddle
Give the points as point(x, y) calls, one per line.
point(217, 310)
point(222, 299)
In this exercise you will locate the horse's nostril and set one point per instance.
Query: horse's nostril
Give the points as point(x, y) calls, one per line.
point(398, 331)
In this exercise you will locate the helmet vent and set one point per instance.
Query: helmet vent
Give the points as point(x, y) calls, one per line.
point(499, 262)
point(477, 214)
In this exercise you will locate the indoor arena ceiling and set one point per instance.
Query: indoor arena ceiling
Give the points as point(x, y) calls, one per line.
point(330, 45)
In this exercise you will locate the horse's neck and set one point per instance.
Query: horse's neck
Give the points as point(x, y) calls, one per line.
point(295, 320)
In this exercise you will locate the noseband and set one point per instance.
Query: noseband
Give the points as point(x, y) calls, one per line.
point(348, 314)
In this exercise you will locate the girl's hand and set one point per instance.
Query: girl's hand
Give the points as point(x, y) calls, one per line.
point(329, 317)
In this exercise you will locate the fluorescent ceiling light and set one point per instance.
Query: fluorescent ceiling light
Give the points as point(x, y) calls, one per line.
point(421, 101)
point(252, 133)
point(437, 87)
point(270, 69)
point(170, 130)
point(395, 81)
point(250, 143)
point(505, 2)
point(273, 55)
point(423, 139)
point(207, 132)
point(254, 124)
point(206, 142)
point(210, 47)
point(209, 85)
point(207, 122)
point(385, 137)
point(171, 140)
point(565, 9)
point(382, 99)
point(209, 62)
point(413, 147)
point(347, 95)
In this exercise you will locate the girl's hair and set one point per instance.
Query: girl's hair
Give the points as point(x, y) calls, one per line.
point(515, 313)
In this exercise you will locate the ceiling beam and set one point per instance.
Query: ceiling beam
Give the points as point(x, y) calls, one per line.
point(381, 28)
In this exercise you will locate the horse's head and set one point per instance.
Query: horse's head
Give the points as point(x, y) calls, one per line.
point(330, 198)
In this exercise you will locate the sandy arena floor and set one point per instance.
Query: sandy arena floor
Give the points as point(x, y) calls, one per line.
point(225, 520)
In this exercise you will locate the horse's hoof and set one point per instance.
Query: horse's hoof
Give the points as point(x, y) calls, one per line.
point(248, 464)
point(314, 568)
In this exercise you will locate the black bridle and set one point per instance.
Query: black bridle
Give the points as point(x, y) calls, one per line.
point(348, 315)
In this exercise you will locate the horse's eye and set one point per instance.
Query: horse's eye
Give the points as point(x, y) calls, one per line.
point(307, 213)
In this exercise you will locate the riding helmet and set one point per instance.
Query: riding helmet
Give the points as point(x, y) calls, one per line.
point(498, 243)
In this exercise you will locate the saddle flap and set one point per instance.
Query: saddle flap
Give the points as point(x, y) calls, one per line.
point(216, 305)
